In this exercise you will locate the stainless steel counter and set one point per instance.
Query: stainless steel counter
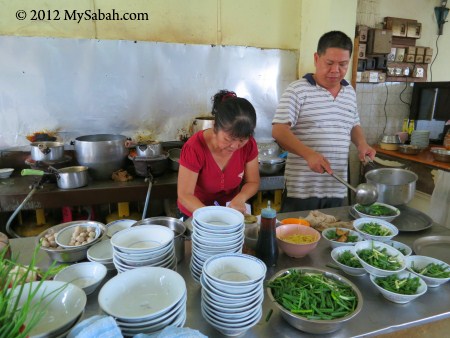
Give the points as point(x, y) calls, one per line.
point(377, 316)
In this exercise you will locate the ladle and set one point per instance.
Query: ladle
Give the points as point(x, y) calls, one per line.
point(366, 193)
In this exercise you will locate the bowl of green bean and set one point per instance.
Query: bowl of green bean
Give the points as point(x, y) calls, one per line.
point(400, 288)
point(377, 210)
point(380, 259)
point(314, 300)
point(433, 271)
point(375, 229)
point(345, 258)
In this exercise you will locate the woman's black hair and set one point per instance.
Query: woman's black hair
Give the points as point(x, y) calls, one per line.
point(234, 115)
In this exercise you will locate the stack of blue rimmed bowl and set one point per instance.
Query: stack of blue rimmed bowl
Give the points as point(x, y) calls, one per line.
point(216, 230)
point(144, 245)
point(232, 292)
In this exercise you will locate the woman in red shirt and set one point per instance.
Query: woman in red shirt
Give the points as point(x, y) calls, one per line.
point(221, 163)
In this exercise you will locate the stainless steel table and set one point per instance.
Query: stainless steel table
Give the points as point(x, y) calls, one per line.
point(377, 316)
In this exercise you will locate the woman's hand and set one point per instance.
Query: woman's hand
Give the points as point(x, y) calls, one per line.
point(238, 205)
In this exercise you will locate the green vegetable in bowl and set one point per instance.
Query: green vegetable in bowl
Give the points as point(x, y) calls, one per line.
point(376, 210)
point(433, 270)
point(347, 258)
point(379, 259)
point(375, 229)
point(404, 286)
point(341, 236)
point(313, 295)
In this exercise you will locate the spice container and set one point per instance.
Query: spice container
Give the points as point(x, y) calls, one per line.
point(266, 246)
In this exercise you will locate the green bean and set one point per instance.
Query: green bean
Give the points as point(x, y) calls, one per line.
point(404, 286)
point(433, 270)
point(375, 229)
point(375, 210)
point(379, 259)
point(313, 295)
point(347, 258)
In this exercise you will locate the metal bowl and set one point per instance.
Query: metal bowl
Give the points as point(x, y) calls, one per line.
point(310, 325)
point(441, 154)
point(409, 149)
point(174, 158)
point(74, 254)
point(390, 139)
point(271, 166)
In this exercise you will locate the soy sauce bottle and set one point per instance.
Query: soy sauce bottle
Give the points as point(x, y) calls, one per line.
point(266, 246)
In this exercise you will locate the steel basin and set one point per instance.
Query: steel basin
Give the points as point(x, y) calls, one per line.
point(175, 225)
point(395, 186)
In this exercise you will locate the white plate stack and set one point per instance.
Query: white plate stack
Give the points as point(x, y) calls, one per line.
point(420, 138)
point(232, 292)
point(216, 230)
point(145, 300)
point(144, 245)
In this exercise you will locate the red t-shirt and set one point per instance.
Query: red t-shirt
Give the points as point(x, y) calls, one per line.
point(213, 184)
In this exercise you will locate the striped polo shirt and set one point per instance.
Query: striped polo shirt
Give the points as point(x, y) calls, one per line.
point(323, 123)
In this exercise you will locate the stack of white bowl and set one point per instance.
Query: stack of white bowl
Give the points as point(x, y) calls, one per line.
point(232, 292)
point(420, 138)
point(164, 303)
point(216, 230)
point(144, 245)
point(102, 252)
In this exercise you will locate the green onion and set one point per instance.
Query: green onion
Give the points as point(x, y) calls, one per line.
point(379, 258)
point(376, 210)
point(404, 286)
point(313, 295)
point(347, 258)
point(433, 270)
point(375, 229)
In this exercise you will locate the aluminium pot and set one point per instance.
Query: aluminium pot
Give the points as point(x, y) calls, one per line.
point(72, 177)
point(47, 151)
point(150, 149)
point(101, 153)
point(175, 225)
point(202, 123)
point(395, 186)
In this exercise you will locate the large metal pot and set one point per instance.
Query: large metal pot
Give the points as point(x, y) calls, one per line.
point(175, 225)
point(202, 123)
point(394, 186)
point(101, 153)
point(150, 149)
point(47, 151)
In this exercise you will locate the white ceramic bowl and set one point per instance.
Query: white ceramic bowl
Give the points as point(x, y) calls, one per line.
point(334, 243)
point(118, 225)
point(142, 238)
point(64, 236)
point(390, 251)
point(358, 224)
point(398, 297)
point(63, 301)
point(338, 251)
point(235, 269)
point(420, 262)
point(86, 276)
point(385, 218)
point(403, 248)
point(217, 217)
point(6, 172)
point(122, 296)
point(101, 252)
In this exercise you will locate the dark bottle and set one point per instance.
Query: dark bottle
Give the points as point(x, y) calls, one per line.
point(266, 246)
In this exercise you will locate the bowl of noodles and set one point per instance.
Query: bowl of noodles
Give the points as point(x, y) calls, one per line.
point(297, 240)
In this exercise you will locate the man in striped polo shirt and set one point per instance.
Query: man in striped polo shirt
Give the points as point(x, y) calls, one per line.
point(315, 121)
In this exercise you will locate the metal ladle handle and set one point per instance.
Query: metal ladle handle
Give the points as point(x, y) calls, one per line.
point(344, 182)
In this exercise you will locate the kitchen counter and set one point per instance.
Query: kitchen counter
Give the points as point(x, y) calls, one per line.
point(15, 189)
point(424, 157)
point(378, 315)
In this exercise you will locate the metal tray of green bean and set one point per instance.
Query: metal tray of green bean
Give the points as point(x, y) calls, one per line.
point(314, 300)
